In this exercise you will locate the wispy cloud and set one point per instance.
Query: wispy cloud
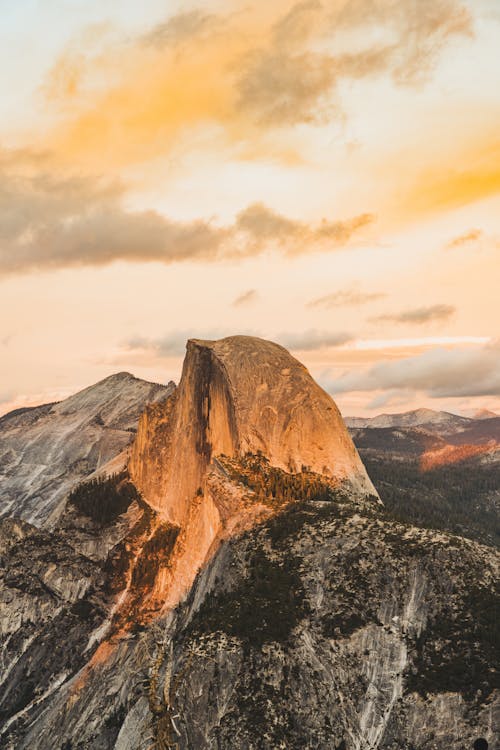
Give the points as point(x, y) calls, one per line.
point(440, 373)
point(174, 342)
point(51, 222)
point(313, 339)
point(57, 223)
point(419, 315)
point(246, 298)
point(347, 298)
point(419, 34)
point(170, 345)
point(181, 28)
point(286, 82)
point(467, 238)
point(262, 224)
point(443, 185)
point(248, 72)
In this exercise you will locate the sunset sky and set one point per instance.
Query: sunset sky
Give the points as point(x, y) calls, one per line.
point(325, 174)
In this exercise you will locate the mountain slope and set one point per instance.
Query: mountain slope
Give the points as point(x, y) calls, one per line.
point(46, 450)
point(249, 592)
point(484, 414)
point(326, 626)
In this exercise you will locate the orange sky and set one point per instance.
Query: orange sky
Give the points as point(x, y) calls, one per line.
point(326, 174)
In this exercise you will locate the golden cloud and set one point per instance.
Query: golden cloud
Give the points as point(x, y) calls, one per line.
point(254, 71)
point(57, 222)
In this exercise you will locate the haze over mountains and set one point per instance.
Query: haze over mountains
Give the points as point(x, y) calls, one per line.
point(238, 584)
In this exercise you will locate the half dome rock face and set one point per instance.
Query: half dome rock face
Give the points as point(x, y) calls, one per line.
point(237, 396)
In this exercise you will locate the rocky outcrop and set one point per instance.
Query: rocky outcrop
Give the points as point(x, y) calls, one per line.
point(45, 451)
point(236, 396)
point(60, 592)
point(240, 396)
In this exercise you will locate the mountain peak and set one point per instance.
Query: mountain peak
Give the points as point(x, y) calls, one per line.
point(240, 395)
point(244, 408)
point(60, 444)
point(119, 376)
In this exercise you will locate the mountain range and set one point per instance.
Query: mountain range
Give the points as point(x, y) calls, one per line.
point(211, 565)
point(439, 421)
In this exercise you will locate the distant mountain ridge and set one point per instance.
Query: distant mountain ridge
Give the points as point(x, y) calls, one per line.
point(435, 468)
point(414, 418)
point(432, 429)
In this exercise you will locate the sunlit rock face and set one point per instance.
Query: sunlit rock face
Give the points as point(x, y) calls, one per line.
point(239, 395)
point(46, 450)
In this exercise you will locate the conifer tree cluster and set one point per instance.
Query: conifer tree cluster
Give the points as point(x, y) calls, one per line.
point(105, 498)
point(276, 486)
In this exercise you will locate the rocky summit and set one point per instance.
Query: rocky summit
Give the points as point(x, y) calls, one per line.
point(46, 450)
point(236, 583)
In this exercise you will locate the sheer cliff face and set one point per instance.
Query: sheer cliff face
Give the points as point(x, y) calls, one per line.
point(237, 396)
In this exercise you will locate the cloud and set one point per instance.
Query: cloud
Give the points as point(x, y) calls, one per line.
point(345, 298)
point(420, 31)
point(419, 315)
point(173, 344)
point(49, 222)
point(467, 172)
point(287, 81)
point(246, 298)
point(440, 373)
point(181, 28)
point(313, 339)
point(465, 239)
point(427, 30)
point(392, 398)
point(170, 345)
point(249, 73)
point(262, 224)
point(280, 89)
